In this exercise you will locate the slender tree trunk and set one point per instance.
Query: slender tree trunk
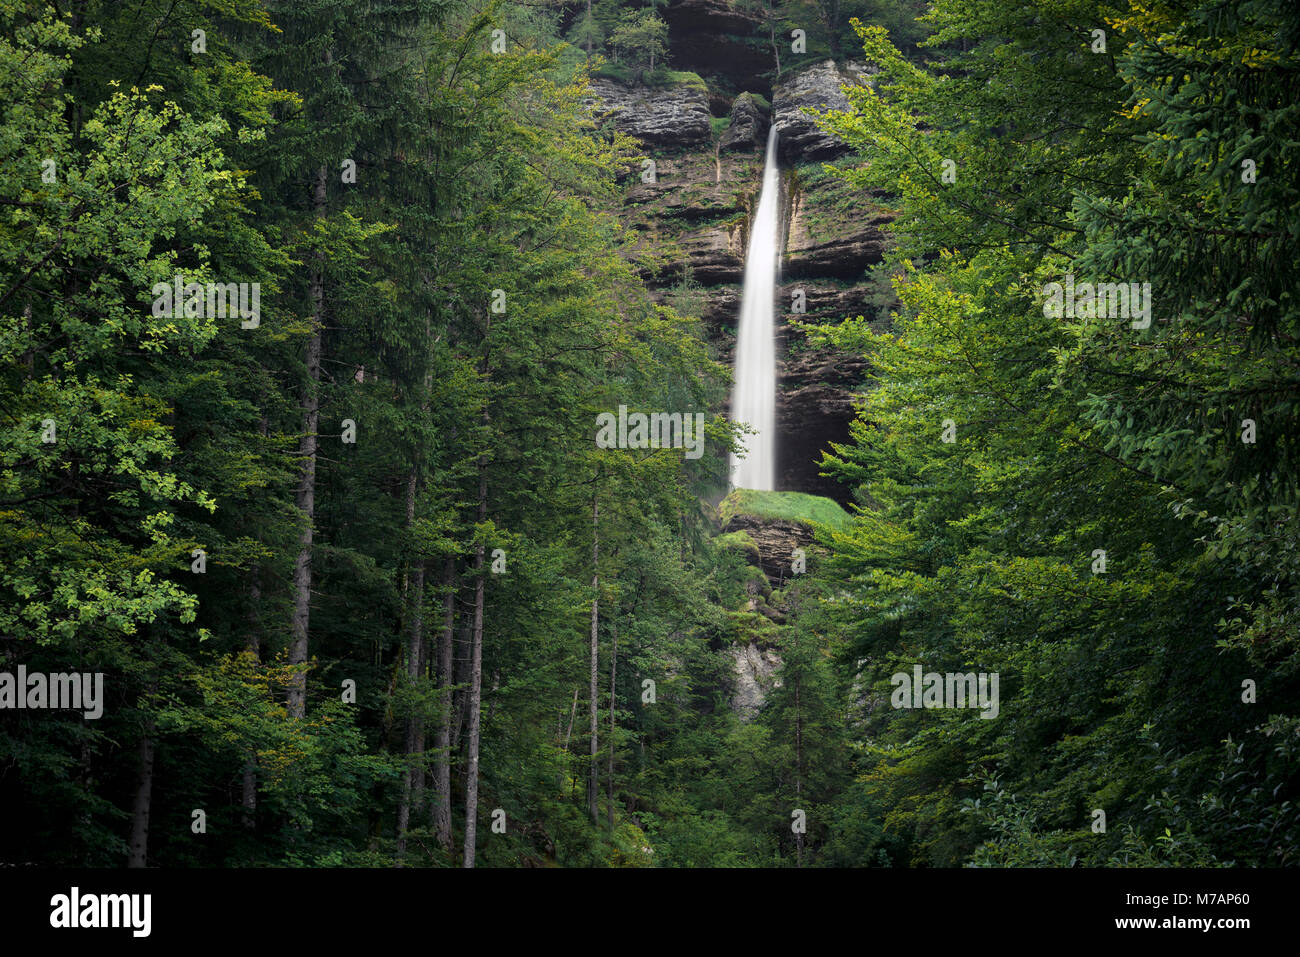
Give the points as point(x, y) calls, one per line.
point(413, 783)
point(832, 27)
point(446, 677)
point(589, 26)
point(771, 26)
point(798, 767)
point(573, 713)
point(475, 673)
point(253, 646)
point(461, 664)
point(249, 801)
point(593, 782)
point(306, 497)
point(29, 354)
point(138, 854)
point(613, 669)
point(475, 697)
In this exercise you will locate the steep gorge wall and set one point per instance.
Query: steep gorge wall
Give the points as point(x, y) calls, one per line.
point(692, 222)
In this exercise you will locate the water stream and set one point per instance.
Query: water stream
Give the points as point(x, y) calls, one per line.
point(753, 400)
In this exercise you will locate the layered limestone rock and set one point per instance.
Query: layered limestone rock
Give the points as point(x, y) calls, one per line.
point(816, 390)
point(833, 232)
point(691, 223)
point(776, 540)
point(774, 532)
point(834, 236)
point(672, 116)
point(817, 87)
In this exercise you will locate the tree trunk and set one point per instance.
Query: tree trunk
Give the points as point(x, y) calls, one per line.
point(798, 768)
point(771, 27)
point(249, 801)
point(138, 854)
point(413, 783)
point(593, 782)
point(253, 646)
point(461, 703)
point(573, 713)
point(306, 497)
point(446, 677)
point(613, 669)
point(475, 673)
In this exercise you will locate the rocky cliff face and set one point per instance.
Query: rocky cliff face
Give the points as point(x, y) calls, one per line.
point(692, 223)
point(675, 116)
point(817, 88)
point(754, 671)
point(776, 539)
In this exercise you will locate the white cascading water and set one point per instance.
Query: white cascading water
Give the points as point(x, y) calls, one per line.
point(753, 399)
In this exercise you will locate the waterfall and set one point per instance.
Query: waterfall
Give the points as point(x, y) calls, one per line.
point(753, 399)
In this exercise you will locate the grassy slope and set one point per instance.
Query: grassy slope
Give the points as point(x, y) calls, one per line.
point(792, 506)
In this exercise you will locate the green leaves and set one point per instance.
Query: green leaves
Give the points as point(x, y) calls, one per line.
point(1075, 436)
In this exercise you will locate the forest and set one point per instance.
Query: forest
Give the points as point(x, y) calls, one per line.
point(365, 437)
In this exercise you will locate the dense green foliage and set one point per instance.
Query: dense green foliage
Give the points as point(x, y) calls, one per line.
point(418, 211)
point(1123, 675)
point(345, 564)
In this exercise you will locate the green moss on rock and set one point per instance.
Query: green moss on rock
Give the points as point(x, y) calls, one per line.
point(739, 540)
point(790, 506)
point(663, 77)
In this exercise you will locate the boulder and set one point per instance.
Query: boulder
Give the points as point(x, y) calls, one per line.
point(776, 538)
point(748, 129)
point(754, 671)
